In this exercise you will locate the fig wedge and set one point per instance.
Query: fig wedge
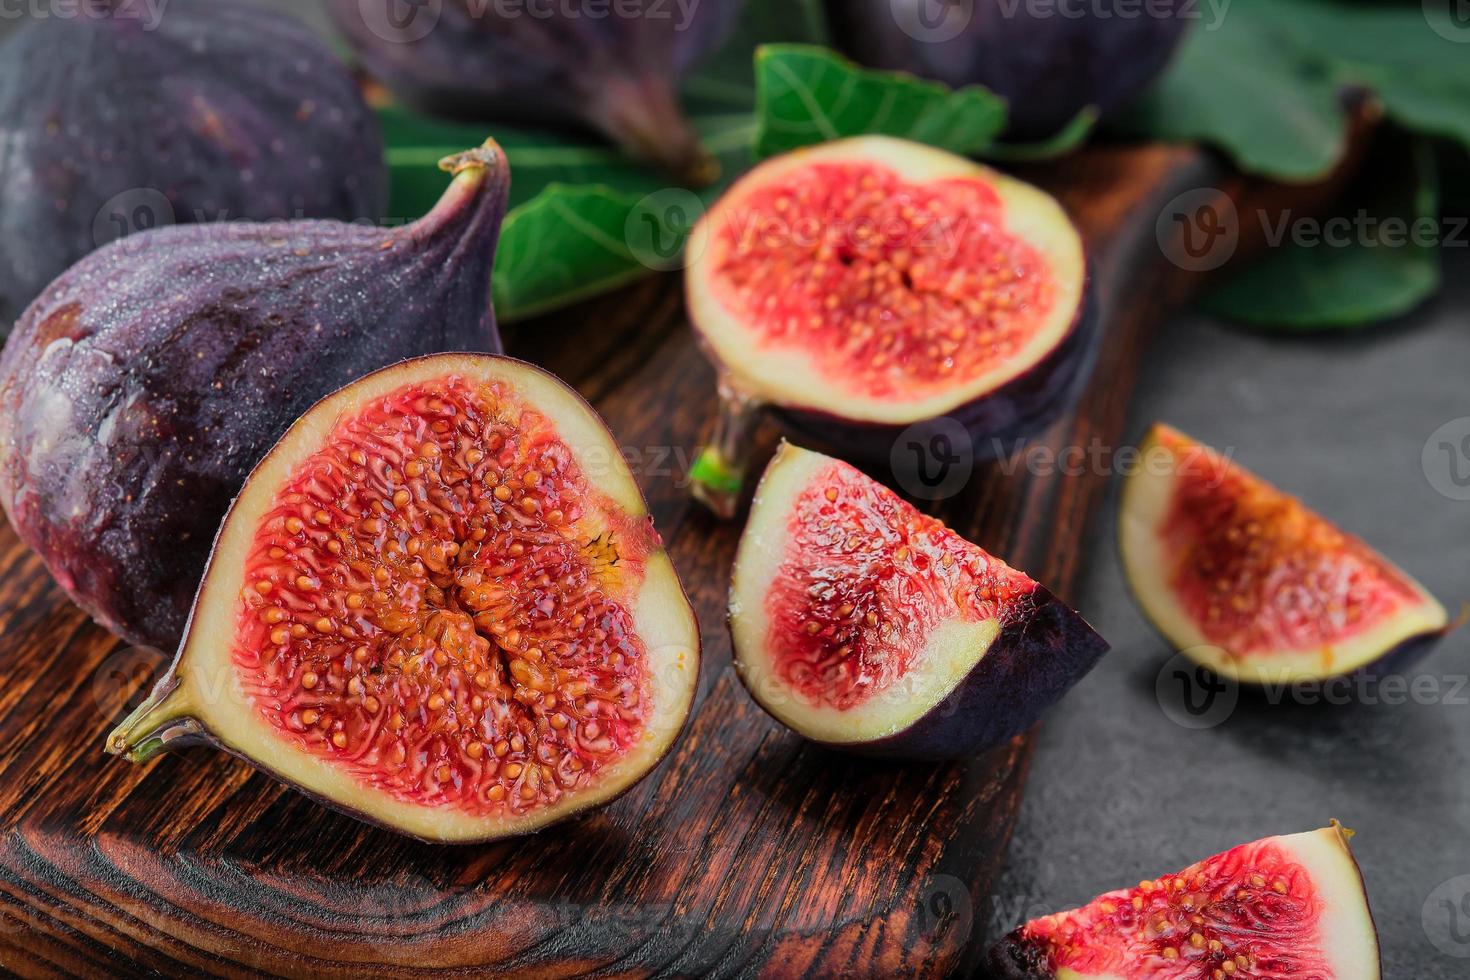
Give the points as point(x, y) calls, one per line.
point(438, 605)
point(860, 623)
point(1288, 908)
point(1245, 580)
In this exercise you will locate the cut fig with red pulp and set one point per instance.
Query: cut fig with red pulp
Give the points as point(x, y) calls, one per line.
point(439, 604)
point(1284, 908)
point(870, 284)
point(863, 624)
point(1247, 581)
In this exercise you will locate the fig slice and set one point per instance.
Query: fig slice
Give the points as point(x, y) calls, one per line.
point(872, 284)
point(860, 623)
point(1245, 580)
point(439, 605)
point(1288, 908)
point(141, 387)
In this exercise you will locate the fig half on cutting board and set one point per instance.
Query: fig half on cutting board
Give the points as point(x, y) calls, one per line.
point(873, 287)
point(440, 605)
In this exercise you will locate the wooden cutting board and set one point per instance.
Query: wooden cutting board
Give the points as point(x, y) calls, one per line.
point(748, 852)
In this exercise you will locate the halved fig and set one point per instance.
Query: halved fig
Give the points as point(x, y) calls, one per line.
point(440, 605)
point(1288, 908)
point(860, 623)
point(1245, 580)
point(867, 285)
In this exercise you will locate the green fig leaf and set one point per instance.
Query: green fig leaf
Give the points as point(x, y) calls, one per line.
point(1353, 270)
point(1264, 80)
point(1067, 139)
point(1247, 86)
point(811, 95)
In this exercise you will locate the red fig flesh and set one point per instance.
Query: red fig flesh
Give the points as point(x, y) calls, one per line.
point(439, 604)
point(616, 70)
point(139, 390)
point(1287, 908)
point(871, 284)
point(1248, 582)
point(863, 624)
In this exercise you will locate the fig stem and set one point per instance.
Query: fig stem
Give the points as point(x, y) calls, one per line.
point(163, 717)
point(718, 474)
point(645, 118)
point(488, 157)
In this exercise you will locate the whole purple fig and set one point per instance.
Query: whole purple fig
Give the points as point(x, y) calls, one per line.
point(142, 386)
point(615, 68)
point(128, 116)
point(1049, 60)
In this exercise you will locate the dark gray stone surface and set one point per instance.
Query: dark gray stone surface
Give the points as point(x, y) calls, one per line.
point(1120, 792)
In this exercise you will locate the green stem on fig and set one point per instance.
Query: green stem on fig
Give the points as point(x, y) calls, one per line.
point(164, 716)
point(719, 472)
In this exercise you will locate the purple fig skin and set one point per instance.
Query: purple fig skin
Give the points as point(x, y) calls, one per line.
point(616, 72)
point(140, 389)
point(1040, 655)
point(219, 110)
point(998, 421)
point(1017, 957)
point(1047, 65)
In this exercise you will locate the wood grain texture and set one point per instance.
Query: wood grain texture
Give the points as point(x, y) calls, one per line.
point(747, 853)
